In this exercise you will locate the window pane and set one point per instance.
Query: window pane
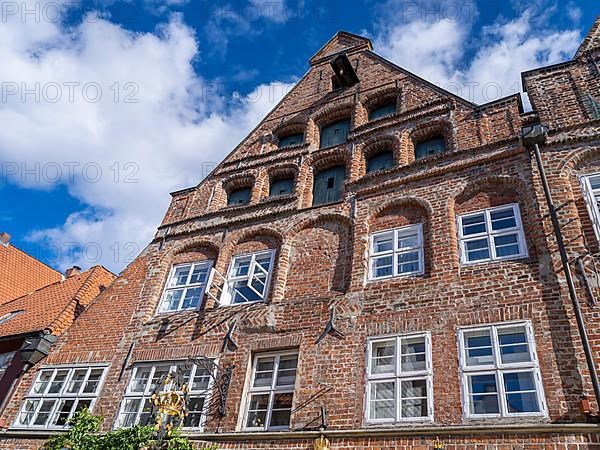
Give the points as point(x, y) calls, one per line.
point(200, 274)
point(409, 262)
point(520, 392)
point(146, 414)
point(414, 408)
point(44, 412)
point(129, 414)
point(93, 381)
point(383, 242)
point(478, 348)
point(264, 372)
point(76, 381)
point(473, 224)
point(257, 411)
point(58, 381)
point(158, 378)
point(413, 395)
point(201, 380)
point(242, 266)
point(171, 300)
point(502, 219)
point(180, 276)
point(195, 408)
point(286, 373)
point(382, 357)
point(192, 298)
point(63, 412)
point(243, 294)
point(483, 394)
point(507, 245)
point(383, 267)
point(513, 346)
point(282, 409)
point(139, 383)
point(382, 402)
point(408, 240)
point(413, 354)
point(477, 250)
point(28, 411)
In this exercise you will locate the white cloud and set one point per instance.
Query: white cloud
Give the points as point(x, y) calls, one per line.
point(439, 51)
point(167, 140)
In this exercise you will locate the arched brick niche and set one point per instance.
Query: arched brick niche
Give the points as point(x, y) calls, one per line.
point(426, 132)
point(253, 241)
point(329, 116)
point(400, 214)
point(375, 147)
point(580, 171)
point(389, 98)
point(232, 185)
point(189, 251)
point(274, 174)
point(318, 163)
point(320, 254)
point(491, 192)
point(289, 129)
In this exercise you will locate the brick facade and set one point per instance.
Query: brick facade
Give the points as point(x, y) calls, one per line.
point(322, 254)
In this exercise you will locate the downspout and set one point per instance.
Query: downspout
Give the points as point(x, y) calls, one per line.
point(534, 135)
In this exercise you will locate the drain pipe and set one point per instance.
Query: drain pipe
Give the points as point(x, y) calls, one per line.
point(533, 136)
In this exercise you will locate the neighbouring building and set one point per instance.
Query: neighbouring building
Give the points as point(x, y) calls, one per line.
point(29, 324)
point(376, 258)
point(21, 273)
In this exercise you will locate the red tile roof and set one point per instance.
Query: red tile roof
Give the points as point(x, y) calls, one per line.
point(21, 274)
point(54, 307)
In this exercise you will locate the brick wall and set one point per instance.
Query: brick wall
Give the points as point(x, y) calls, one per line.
point(321, 260)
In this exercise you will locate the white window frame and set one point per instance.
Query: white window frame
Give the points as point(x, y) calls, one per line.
point(228, 292)
point(148, 392)
point(60, 396)
point(271, 390)
point(589, 195)
point(184, 287)
point(395, 252)
point(498, 368)
point(489, 234)
point(398, 376)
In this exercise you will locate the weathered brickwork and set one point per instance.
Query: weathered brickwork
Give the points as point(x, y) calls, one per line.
point(321, 263)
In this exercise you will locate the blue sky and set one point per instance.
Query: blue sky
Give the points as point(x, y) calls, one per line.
point(108, 106)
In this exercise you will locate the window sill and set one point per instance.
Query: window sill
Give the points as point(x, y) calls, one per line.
point(486, 263)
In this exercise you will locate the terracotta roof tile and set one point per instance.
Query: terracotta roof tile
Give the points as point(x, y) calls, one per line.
point(21, 274)
point(54, 307)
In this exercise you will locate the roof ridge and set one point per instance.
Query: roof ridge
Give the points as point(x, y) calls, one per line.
point(76, 298)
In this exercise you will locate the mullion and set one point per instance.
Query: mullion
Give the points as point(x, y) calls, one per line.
point(272, 393)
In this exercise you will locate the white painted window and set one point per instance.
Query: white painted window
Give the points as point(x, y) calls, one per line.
point(5, 360)
point(136, 406)
point(57, 394)
point(491, 234)
point(271, 392)
point(590, 185)
point(248, 278)
point(399, 384)
point(499, 371)
point(395, 253)
point(185, 287)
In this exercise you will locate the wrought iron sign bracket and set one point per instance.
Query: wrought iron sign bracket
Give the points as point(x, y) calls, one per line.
point(331, 328)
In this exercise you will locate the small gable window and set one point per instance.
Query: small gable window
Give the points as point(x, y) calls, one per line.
point(291, 141)
point(239, 197)
point(335, 134)
point(380, 161)
point(382, 111)
point(329, 185)
point(430, 147)
point(282, 186)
